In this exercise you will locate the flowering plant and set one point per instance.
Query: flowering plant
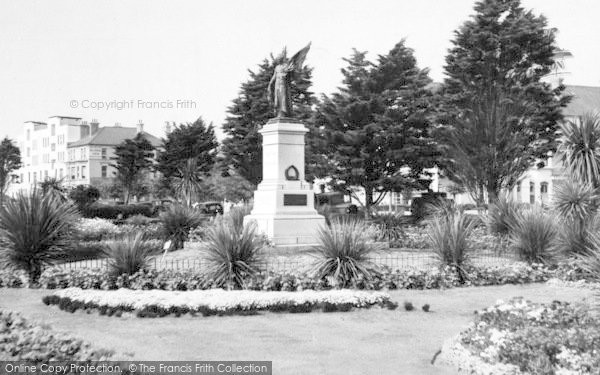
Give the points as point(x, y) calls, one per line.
point(213, 301)
point(519, 336)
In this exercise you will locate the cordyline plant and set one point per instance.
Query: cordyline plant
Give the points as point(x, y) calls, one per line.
point(129, 254)
point(343, 251)
point(34, 230)
point(233, 255)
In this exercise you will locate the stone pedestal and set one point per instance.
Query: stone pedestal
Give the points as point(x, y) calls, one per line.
point(284, 201)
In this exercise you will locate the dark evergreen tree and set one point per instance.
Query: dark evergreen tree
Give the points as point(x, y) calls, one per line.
point(242, 149)
point(132, 159)
point(377, 125)
point(10, 160)
point(187, 141)
point(499, 117)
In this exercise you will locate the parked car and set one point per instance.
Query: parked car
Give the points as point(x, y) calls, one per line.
point(335, 203)
point(211, 208)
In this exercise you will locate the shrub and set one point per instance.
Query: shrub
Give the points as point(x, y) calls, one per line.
point(34, 230)
point(113, 212)
point(534, 235)
point(448, 233)
point(130, 254)
point(389, 227)
point(84, 196)
point(343, 251)
point(23, 340)
point(589, 259)
point(138, 220)
point(426, 307)
point(95, 229)
point(408, 306)
point(232, 255)
point(502, 214)
point(178, 221)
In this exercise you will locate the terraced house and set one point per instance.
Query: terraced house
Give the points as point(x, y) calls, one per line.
point(72, 150)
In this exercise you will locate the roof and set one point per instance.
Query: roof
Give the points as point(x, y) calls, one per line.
point(113, 136)
point(585, 99)
point(69, 117)
point(36, 122)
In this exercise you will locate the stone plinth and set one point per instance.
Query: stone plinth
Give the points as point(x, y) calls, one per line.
point(284, 202)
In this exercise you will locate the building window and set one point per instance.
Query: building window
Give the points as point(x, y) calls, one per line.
point(28, 134)
point(28, 177)
point(52, 129)
point(45, 142)
point(53, 147)
point(72, 173)
point(34, 177)
point(45, 175)
point(104, 171)
point(83, 171)
point(78, 172)
point(103, 153)
point(60, 173)
point(34, 144)
point(28, 152)
point(531, 192)
point(21, 179)
point(60, 139)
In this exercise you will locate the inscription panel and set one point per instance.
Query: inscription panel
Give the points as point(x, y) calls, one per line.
point(294, 199)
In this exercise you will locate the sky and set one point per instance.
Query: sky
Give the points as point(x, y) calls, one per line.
point(156, 61)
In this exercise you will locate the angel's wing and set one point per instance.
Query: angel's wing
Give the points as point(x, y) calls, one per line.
point(297, 60)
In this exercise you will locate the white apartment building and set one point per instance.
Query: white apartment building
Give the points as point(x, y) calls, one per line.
point(71, 150)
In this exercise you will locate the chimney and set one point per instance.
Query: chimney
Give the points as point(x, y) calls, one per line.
point(140, 126)
point(94, 124)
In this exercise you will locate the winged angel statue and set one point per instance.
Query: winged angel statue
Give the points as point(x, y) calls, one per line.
point(279, 86)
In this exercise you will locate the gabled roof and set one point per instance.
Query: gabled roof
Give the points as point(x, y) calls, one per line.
point(113, 136)
point(585, 99)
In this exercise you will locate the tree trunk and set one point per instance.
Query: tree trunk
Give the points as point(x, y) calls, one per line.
point(368, 201)
point(492, 192)
point(126, 198)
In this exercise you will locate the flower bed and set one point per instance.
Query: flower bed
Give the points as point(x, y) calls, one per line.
point(521, 337)
point(21, 340)
point(153, 303)
point(434, 278)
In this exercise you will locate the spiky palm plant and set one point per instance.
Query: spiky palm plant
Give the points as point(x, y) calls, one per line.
point(187, 183)
point(128, 254)
point(448, 232)
point(177, 222)
point(577, 205)
point(236, 216)
point(534, 236)
point(34, 231)
point(502, 214)
point(575, 200)
point(53, 186)
point(343, 251)
point(232, 255)
point(580, 148)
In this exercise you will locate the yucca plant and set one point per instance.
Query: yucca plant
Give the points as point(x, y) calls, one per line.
point(236, 217)
point(53, 186)
point(577, 205)
point(580, 148)
point(34, 231)
point(232, 255)
point(343, 251)
point(502, 214)
point(534, 235)
point(187, 183)
point(589, 259)
point(448, 232)
point(575, 200)
point(177, 222)
point(128, 254)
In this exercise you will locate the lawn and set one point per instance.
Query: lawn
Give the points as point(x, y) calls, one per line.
point(359, 342)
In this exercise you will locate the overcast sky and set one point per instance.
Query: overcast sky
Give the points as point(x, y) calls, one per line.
point(57, 57)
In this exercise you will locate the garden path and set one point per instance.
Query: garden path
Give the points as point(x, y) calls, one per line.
point(359, 342)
